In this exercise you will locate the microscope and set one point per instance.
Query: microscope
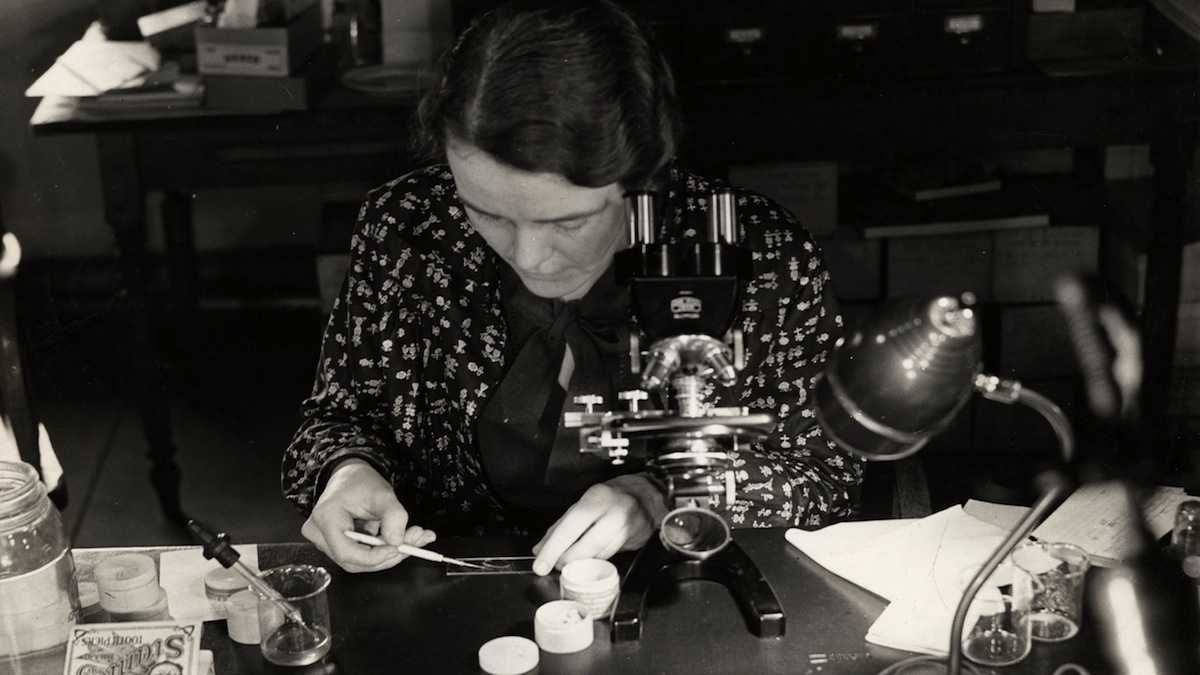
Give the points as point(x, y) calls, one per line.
point(684, 297)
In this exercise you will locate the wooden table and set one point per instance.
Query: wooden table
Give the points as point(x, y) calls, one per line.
point(352, 137)
point(414, 619)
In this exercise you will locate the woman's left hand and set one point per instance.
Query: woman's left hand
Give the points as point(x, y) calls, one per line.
point(616, 515)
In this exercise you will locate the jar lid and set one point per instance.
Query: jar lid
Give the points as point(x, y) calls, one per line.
point(125, 571)
point(222, 580)
point(508, 655)
point(590, 574)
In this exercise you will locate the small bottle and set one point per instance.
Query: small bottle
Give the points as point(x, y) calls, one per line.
point(1185, 538)
point(39, 599)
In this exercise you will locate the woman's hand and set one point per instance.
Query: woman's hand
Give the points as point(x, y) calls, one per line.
point(616, 515)
point(357, 495)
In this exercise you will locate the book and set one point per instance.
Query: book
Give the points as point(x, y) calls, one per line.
point(161, 89)
point(1013, 207)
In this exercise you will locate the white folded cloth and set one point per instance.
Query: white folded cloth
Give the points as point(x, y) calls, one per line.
point(917, 565)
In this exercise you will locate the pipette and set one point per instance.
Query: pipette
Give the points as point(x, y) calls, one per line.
point(216, 546)
point(415, 551)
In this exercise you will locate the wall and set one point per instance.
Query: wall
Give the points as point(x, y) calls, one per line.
point(49, 187)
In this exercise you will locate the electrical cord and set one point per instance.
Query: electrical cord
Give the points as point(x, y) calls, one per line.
point(925, 663)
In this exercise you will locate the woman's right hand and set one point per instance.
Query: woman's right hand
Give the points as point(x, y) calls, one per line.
point(357, 497)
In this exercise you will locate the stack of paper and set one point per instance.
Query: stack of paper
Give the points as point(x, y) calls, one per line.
point(917, 565)
point(1097, 519)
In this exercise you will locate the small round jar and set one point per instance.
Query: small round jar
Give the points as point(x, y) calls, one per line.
point(592, 582)
point(220, 585)
point(90, 610)
point(562, 627)
point(241, 619)
point(128, 583)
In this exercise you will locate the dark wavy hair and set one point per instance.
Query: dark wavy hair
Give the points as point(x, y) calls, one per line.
point(572, 87)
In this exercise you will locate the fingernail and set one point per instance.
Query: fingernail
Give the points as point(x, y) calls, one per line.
point(541, 569)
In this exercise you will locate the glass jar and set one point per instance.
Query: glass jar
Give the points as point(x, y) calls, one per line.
point(39, 600)
point(1185, 538)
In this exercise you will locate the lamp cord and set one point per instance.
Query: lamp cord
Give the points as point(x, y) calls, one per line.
point(1054, 486)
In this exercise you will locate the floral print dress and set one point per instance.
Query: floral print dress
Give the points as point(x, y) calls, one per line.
point(415, 345)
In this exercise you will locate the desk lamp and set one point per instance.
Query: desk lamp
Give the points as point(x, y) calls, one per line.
point(900, 380)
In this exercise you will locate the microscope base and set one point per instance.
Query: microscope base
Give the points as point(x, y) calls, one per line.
point(730, 567)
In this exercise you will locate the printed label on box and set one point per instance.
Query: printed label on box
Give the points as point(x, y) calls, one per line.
point(237, 60)
point(135, 648)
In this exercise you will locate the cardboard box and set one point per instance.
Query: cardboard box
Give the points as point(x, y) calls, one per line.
point(808, 189)
point(415, 31)
point(1187, 335)
point(1125, 242)
point(1185, 392)
point(1028, 261)
point(1092, 34)
point(945, 264)
point(854, 265)
point(333, 250)
point(251, 93)
point(263, 52)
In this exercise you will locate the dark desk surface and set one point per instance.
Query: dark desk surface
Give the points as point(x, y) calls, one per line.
point(414, 619)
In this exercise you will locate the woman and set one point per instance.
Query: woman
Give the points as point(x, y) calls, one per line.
point(480, 300)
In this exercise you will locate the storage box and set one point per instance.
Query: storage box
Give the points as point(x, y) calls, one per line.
point(1187, 335)
point(1185, 392)
point(962, 36)
point(865, 40)
point(251, 93)
point(945, 264)
point(1125, 242)
point(1028, 261)
point(333, 250)
point(808, 189)
point(854, 265)
point(740, 41)
point(272, 52)
point(1035, 343)
point(1114, 33)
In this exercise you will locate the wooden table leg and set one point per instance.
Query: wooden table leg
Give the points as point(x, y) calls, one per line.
point(124, 209)
point(180, 237)
point(1174, 155)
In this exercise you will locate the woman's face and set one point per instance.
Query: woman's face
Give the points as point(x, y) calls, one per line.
point(557, 236)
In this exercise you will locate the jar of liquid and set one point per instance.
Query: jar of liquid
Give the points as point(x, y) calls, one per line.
point(39, 600)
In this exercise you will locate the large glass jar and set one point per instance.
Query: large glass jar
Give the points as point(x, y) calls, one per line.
point(39, 600)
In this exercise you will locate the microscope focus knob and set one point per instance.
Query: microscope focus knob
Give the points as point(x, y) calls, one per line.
point(589, 401)
point(634, 396)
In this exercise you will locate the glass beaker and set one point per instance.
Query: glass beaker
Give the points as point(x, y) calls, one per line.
point(285, 642)
point(39, 600)
point(1056, 572)
point(997, 631)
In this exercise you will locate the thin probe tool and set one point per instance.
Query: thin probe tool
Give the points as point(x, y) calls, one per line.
point(414, 551)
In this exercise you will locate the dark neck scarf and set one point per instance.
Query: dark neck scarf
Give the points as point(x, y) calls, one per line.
point(534, 465)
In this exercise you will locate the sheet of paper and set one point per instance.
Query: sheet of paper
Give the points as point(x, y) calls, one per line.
point(883, 564)
point(920, 620)
point(1095, 518)
point(181, 573)
point(1004, 516)
point(91, 67)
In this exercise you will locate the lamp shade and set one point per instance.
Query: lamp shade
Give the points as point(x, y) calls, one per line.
point(901, 378)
